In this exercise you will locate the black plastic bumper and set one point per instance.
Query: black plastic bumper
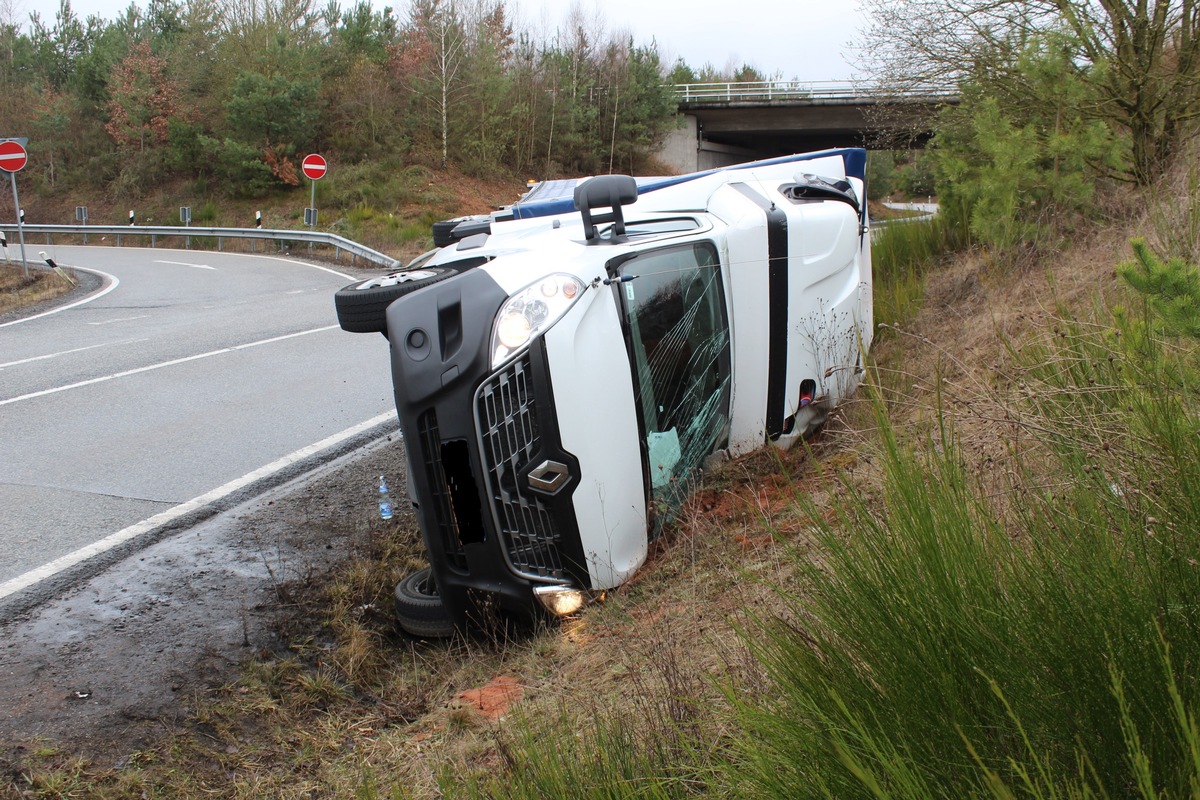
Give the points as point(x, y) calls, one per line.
point(473, 437)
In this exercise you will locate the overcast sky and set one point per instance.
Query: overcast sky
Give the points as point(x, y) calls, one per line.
point(809, 40)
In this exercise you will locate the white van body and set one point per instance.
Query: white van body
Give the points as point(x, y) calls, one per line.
point(559, 392)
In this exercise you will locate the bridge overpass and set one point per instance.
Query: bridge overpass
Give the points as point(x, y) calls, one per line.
point(728, 123)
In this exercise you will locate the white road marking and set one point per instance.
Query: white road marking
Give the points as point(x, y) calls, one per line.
point(114, 283)
point(274, 258)
point(186, 264)
point(170, 363)
point(62, 563)
point(120, 319)
point(56, 355)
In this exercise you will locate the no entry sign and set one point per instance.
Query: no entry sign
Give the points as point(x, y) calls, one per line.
point(314, 167)
point(13, 157)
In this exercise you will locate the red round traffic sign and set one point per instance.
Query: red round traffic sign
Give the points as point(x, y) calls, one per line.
point(13, 156)
point(314, 167)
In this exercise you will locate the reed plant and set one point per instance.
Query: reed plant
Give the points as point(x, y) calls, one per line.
point(1039, 641)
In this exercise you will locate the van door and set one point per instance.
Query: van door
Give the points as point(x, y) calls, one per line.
point(678, 336)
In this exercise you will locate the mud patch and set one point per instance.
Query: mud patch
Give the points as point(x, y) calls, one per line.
point(116, 662)
point(493, 700)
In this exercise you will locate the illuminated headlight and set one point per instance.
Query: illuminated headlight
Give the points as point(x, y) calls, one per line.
point(530, 311)
point(563, 601)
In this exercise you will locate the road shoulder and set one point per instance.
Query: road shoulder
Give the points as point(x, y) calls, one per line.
point(119, 660)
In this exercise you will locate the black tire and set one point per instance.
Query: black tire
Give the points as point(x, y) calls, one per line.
point(361, 305)
point(443, 232)
point(419, 610)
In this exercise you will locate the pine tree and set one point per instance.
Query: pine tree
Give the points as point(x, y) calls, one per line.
point(1172, 288)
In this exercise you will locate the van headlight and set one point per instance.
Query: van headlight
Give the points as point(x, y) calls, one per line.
point(531, 311)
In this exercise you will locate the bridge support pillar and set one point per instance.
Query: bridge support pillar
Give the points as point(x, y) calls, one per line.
point(686, 150)
point(680, 148)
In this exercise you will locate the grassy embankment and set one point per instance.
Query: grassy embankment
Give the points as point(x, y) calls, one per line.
point(978, 581)
point(19, 290)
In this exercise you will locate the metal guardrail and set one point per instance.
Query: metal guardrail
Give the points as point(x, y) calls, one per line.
point(334, 241)
point(800, 90)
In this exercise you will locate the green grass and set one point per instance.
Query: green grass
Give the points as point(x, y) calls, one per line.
point(1040, 640)
point(903, 253)
point(1031, 630)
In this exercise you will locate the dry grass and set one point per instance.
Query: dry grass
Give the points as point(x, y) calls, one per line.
point(19, 291)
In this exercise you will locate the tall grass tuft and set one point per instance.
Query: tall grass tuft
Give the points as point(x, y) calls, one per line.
point(1038, 642)
point(902, 254)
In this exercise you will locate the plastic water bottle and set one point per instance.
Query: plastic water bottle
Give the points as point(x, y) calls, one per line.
point(385, 499)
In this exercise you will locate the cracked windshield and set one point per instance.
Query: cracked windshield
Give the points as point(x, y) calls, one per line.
point(680, 337)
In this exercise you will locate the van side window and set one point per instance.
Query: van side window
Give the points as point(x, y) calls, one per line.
point(679, 330)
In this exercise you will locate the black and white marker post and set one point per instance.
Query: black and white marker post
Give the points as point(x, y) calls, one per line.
point(59, 270)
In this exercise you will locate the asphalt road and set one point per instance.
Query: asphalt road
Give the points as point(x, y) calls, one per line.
point(197, 375)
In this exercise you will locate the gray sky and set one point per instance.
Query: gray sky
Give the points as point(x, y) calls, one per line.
point(809, 40)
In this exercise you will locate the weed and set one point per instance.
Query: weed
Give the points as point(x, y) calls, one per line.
point(903, 252)
point(957, 640)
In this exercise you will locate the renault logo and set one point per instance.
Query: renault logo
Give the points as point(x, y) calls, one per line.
point(548, 477)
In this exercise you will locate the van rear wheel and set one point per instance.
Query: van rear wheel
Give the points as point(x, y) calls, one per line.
point(361, 306)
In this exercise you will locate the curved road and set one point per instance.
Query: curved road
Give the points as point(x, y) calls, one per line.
point(197, 374)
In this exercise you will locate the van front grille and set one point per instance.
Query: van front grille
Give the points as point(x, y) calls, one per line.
point(509, 436)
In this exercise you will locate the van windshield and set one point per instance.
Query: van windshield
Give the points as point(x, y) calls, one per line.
point(679, 333)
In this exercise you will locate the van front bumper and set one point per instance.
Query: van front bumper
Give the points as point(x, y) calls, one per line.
point(492, 483)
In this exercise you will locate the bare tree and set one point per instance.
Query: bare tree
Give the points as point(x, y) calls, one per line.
point(1141, 56)
point(443, 28)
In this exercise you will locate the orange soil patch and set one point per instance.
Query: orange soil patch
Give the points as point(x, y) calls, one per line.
point(495, 699)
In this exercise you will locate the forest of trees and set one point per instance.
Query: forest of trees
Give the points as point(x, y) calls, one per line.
point(1061, 100)
point(231, 94)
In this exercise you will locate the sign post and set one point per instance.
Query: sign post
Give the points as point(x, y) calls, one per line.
point(12, 160)
point(314, 168)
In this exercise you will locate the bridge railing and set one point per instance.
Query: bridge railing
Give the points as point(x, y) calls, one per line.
point(733, 91)
point(288, 237)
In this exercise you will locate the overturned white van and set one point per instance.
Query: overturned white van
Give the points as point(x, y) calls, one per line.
point(562, 369)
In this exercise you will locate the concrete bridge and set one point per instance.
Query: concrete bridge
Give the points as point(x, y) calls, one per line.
point(728, 123)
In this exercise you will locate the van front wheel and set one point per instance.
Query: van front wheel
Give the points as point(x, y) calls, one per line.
point(419, 609)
